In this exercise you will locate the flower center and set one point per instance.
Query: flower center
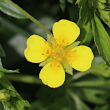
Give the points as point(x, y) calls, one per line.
point(57, 53)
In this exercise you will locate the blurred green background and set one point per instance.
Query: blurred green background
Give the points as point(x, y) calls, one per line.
point(84, 91)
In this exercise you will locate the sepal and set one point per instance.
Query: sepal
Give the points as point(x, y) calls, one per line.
point(73, 45)
point(68, 69)
point(51, 40)
point(48, 60)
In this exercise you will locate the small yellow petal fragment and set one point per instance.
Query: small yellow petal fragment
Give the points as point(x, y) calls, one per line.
point(80, 58)
point(52, 74)
point(65, 32)
point(37, 50)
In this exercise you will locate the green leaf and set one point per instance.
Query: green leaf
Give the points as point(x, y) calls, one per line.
point(78, 1)
point(70, 1)
point(11, 10)
point(104, 107)
point(84, 24)
point(2, 53)
point(63, 4)
point(80, 105)
point(94, 95)
point(4, 95)
point(104, 11)
point(15, 102)
point(101, 38)
point(100, 68)
point(1, 106)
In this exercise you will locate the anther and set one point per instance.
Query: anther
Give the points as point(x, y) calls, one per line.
point(58, 66)
point(47, 52)
point(46, 42)
point(56, 44)
point(50, 44)
point(46, 62)
point(52, 37)
point(62, 40)
point(70, 48)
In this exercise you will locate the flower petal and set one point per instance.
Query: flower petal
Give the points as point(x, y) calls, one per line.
point(65, 32)
point(37, 49)
point(52, 74)
point(80, 58)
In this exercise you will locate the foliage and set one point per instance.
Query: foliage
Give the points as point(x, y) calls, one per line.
point(87, 90)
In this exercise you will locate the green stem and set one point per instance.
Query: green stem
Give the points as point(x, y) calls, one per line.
point(29, 16)
point(80, 105)
point(24, 79)
point(8, 71)
point(90, 84)
point(79, 75)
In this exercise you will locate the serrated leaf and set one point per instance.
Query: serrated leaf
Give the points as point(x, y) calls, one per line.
point(11, 10)
point(2, 53)
point(101, 38)
point(105, 16)
point(99, 67)
point(102, 9)
point(84, 24)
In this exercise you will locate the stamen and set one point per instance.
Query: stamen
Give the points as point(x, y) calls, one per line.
point(70, 48)
point(46, 42)
point(46, 62)
point(47, 52)
point(62, 40)
point(52, 37)
point(56, 44)
point(50, 44)
point(58, 66)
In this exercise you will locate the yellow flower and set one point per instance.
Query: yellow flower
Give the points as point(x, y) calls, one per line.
point(58, 54)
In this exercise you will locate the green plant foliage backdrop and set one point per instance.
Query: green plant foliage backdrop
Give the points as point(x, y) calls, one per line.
point(89, 90)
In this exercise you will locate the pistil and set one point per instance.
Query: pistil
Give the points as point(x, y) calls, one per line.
point(57, 53)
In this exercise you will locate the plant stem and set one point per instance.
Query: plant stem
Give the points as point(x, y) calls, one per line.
point(24, 78)
point(79, 75)
point(80, 105)
point(29, 16)
point(89, 84)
